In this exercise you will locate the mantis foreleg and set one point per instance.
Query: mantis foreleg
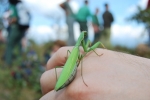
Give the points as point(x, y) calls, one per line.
point(94, 47)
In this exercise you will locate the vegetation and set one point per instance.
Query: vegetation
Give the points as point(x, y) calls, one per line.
point(142, 16)
point(20, 81)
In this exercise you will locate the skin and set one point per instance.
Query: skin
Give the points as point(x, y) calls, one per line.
point(112, 76)
point(107, 8)
point(13, 20)
point(96, 27)
point(1, 37)
point(62, 6)
point(97, 11)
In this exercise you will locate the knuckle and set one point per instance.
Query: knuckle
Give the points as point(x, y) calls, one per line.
point(44, 82)
point(43, 79)
point(59, 53)
point(60, 50)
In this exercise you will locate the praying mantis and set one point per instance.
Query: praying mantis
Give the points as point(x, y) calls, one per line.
point(70, 68)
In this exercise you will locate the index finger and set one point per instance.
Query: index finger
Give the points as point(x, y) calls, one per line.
point(59, 58)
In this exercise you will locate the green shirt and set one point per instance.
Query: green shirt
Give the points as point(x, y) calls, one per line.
point(13, 14)
point(83, 13)
point(13, 11)
point(95, 20)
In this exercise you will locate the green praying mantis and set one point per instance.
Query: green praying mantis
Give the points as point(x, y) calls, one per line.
point(70, 68)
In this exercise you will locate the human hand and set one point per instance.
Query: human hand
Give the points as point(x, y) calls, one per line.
point(112, 76)
point(12, 20)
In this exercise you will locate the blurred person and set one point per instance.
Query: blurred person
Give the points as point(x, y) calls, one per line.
point(107, 19)
point(70, 22)
point(81, 17)
point(113, 76)
point(57, 45)
point(148, 28)
point(50, 51)
point(14, 33)
point(148, 7)
point(5, 17)
point(96, 26)
point(23, 21)
point(1, 29)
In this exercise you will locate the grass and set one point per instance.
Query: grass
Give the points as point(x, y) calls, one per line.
point(20, 81)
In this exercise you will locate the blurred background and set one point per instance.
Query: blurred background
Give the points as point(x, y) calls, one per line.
point(32, 30)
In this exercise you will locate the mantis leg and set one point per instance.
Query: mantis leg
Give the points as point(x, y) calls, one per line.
point(56, 72)
point(85, 46)
point(96, 53)
point(88, 44)
point(92, 48)
point(80, 59)
point(56, 75)
point(67, 53)
point(87, 49)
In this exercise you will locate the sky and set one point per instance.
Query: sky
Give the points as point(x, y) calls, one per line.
point(46, 16)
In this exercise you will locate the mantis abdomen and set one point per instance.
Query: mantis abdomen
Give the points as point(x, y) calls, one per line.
point(71, 78)
point(69, 70)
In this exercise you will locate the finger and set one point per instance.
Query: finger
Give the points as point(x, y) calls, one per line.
point(59, 58)
point(48, 80)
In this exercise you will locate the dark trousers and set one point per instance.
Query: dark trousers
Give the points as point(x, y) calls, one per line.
point(14, 39)
point(83, 27)
point(96, 37)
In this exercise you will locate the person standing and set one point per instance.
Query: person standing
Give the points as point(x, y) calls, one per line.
point(108, 19)
point(148, 27)
point(82, 16)
point(96, 26)
point(1, 29)
point(70, 22)
point(23, 22)
point(14, 33)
